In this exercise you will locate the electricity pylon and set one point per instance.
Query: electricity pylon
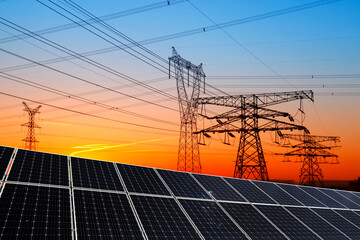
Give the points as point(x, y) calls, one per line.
point(312, 151)
point(30, 140)
point(249, 116)
point(188, 153)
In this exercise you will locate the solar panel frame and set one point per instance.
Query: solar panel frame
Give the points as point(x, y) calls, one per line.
point(6, 154)
point(322, 197)
point(301, 195)
point(340, 198)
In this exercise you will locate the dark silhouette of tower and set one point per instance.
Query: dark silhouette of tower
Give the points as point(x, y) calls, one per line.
point(30, 140)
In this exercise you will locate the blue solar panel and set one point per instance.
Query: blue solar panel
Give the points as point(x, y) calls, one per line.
point(5, 156)
point(162, 218)
point(349, 195)
point(300, 195)
point(142, 180)
point(183, 184)
point(32, 212)
point(314, 192)
point(38, 167)
point(211, 221)
point(218, 188)
point(316, 223)
point(340, 198)
point(351, 216)
point(277, 193)
point(249, 191)
point(94, 174)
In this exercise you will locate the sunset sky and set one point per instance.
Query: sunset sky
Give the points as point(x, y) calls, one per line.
point(92, 108)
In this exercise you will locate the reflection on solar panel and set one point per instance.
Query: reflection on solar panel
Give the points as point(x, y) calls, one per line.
point(30, 212)
point(250, 219)
point(103, 215)
point(37, 167)
point(95, 174)
point(300, 195)
point(218, 188)
point(171, 222)
point(211, 220)
point(48, 196)
point(341, 223)
point(5, 156)
point(183, 185)
point(249, 191)
point(142, 180)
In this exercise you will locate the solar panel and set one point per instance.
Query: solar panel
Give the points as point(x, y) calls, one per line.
point(162, 218)
point(104, 215)
point(211, 221)
point(341, 223)
point(32, 212)
point(250, 219)
point(349, 195)
point(94, 174)
point(218, 188)
point(316, 223)
point(277, 193)
point(351, 216)
point(322, 197)
point(183, 185)
point(142, 180)
point(300, 195)
point(249, 191)
point(286, 222)
point(5, 156)
point(38, 167)
point(340, 198)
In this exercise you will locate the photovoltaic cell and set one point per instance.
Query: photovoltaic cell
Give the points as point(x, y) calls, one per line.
point(351, 216)
point(211, 221)
point(252, 222)
point(5, 156)
point(218, 188)
point(31, 212)
point(142, 180)
point(341, 223)
point(300, 195)
point(277, 193)
point(95, 174)
point(249, 191)
point(318, 225)
point(286, 222)
point(340, 198)
point(38, 167)
point(350, 195)
point(314, 192)
point(162, 218)
point(103, 215)
point(183, 185)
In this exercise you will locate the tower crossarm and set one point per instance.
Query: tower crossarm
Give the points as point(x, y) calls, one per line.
point(311, 138)
point(181, 62)
point(303, 152)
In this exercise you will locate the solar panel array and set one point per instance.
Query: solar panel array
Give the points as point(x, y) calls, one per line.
point(49, 196)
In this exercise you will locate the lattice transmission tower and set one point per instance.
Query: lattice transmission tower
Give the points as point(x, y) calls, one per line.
point(188, 153)
point(311, 151)
point(250, 115)
point(30, 140)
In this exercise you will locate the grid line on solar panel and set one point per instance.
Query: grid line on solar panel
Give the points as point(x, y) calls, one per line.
point(340, 198)
point(301, 195)
point(320, 196)
point(182, 184)
point(253, 223)
point(218, 188)
point(276, 193)
point(290, 225)
point(249, 191)
point(29, 212)
point(142, 180)
point(350, 195)
point(211, 220)
point(38, 167)
point(339, 222)
point(5, 156)
point(101, 215)
point(162, 218)
point(351, 216)
point(316, 223)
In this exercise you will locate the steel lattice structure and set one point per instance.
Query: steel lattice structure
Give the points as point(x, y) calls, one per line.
point(313, 151)
point(188, 153)
point(248, 110)
point(30, 140)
